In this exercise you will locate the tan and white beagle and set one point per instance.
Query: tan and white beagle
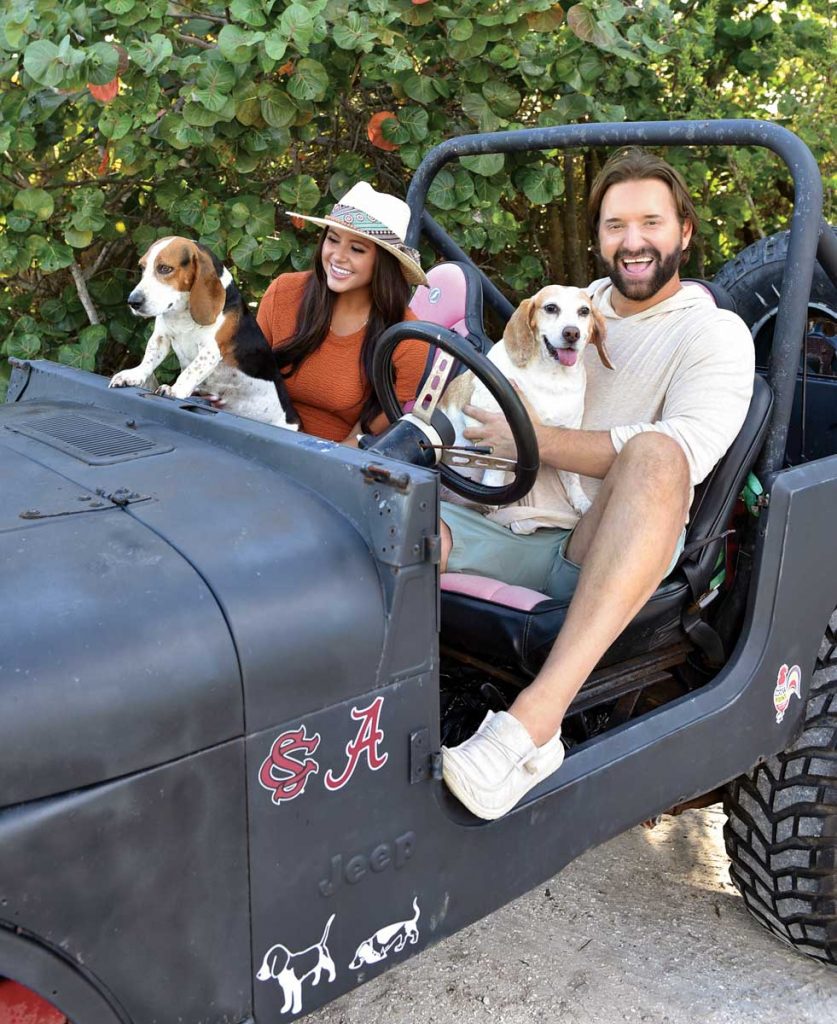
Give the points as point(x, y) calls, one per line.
point(200, 314)
point(542, 351)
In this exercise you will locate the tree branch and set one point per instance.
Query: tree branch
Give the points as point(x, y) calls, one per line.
point(83, 293)
point(100, 259)
point(202, 43)
point(195, 15)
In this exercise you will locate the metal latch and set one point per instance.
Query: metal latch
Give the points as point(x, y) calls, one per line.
point(419, 756)
point(376, 474)
point(433, 549)
point(87, 502)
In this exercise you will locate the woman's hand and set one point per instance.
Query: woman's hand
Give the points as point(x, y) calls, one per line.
point(350, 440)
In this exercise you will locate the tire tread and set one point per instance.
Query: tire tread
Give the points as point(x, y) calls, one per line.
point(781, 830)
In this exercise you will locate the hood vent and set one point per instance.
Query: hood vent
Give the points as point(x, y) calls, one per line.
point(91, 441)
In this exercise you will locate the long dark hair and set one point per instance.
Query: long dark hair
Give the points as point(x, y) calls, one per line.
point(390, 294)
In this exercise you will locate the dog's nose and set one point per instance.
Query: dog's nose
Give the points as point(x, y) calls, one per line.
point(571, 335)
point(136, 299)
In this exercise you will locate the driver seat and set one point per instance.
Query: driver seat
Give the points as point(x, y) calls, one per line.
point(511, 625)
point(452, 298)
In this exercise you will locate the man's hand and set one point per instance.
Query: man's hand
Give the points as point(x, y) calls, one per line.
point(494, 431)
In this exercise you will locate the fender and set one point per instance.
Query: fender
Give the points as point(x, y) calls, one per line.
point(79, 995)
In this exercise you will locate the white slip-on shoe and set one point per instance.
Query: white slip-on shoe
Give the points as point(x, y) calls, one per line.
point(497, 766)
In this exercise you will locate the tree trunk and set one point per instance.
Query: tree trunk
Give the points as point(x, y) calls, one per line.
point(575, 266)
point(557, 265)
point(592, 166)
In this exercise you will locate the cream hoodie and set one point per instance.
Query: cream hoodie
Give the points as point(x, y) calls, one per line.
point(683, 367)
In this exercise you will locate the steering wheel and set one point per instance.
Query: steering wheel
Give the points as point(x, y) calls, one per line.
point(524, 468)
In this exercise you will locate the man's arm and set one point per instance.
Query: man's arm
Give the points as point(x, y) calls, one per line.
point(705, 404)
point(588, 452)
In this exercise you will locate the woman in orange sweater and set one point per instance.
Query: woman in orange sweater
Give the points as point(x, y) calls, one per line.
point(323, 324)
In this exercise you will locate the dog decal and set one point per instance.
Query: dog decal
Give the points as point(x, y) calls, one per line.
point(391, 938)
point(290, 970)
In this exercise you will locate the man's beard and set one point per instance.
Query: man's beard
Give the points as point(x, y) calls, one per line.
point(664, 270)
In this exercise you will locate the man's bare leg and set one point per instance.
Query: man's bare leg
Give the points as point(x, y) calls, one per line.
point(624, 544)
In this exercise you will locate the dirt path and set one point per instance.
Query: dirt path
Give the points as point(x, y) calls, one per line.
point(646, 928)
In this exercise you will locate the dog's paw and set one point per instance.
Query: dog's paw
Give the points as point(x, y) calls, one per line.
point(165, 390)
point(181, 391)
point(581, 503)
point(126, 379)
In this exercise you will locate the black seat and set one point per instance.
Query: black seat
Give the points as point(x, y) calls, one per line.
point(720, 296)
point(516, 626)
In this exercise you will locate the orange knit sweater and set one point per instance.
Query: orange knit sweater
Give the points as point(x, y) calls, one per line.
point(328, 388)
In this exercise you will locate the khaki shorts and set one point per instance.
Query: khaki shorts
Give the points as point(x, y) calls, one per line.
point(536, 560)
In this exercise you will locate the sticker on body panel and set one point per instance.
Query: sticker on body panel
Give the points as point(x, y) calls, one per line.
point(392, 938)
point(289, 970)
point(367, 741)
point(285, 770)
point(284, 775)
point(788, 683)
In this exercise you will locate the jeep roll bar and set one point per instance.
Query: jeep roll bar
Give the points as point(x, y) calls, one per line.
point(810, 236)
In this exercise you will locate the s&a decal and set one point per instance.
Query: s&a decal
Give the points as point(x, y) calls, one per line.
point(369, 735)
point(392, 938)
point(789, 681)
point(285, 770)
point(289, 970)
point(284, 775)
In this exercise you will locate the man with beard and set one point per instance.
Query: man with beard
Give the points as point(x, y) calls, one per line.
point(653, 428)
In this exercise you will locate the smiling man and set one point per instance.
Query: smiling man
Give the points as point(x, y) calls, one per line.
point(653, 428)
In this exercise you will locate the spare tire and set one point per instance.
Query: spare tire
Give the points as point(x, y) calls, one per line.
point(753, 280)
point(781, 830)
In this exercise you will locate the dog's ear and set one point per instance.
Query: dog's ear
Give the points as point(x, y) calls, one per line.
point(598, 331)
point(206, 299)
point(518, 336)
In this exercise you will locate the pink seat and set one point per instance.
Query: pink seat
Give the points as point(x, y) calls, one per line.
point(443, 300)
point(495, 591)
point(453, 299)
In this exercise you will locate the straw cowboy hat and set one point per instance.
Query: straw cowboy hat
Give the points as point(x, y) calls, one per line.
point(367, 213)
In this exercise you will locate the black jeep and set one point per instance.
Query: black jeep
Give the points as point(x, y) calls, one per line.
point(223, 696)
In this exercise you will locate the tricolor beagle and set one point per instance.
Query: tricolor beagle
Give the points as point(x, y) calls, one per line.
point(201, 315)
point(542, 351)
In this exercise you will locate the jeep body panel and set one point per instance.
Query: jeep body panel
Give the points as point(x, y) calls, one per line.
point(320, 801)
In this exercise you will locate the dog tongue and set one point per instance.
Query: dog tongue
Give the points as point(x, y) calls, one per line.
point(567, 356)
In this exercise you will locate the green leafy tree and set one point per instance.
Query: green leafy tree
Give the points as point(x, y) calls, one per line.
point(126, 120)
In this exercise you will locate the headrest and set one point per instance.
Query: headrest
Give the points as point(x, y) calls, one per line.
point(719, 295)
point(444, 300)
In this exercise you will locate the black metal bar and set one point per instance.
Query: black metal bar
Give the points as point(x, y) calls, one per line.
point(805, 228)
point(826, 251)
point(445, 246)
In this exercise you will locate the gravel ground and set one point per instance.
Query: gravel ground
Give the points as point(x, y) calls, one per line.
point(645, 928)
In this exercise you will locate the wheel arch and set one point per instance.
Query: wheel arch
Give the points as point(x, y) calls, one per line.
point(28, 960)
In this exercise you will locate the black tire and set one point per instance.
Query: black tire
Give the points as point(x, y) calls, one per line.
point(781, 830)
point(753, 280)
